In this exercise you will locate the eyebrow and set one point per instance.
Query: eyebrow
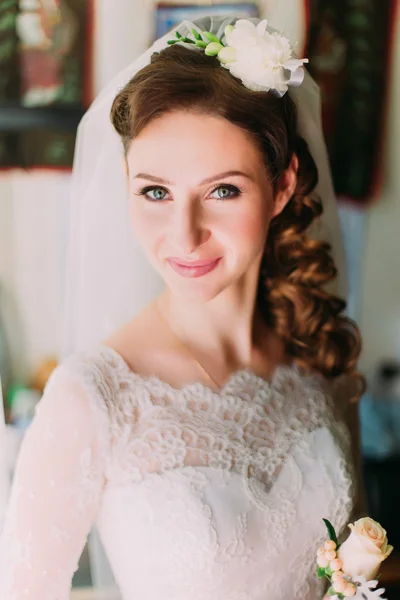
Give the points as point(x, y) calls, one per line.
point(205, 181)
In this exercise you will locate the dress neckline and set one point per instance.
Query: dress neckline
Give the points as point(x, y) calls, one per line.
point(245, 375)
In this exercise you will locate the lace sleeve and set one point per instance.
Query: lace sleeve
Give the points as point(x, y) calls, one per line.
point(56, 494)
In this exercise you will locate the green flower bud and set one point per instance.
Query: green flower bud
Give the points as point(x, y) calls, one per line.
point(227, 55)
point(211, 37)
point(213, 49)
point(196, 34)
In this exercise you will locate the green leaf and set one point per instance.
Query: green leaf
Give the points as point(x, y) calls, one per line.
point(331, 531)
point(321, 572)
point(331, 592)
point(211, 37)
point(196, 34)
point(187, 40)
point(178, 35)
point(329, 571)
point(201, 44)
point(170, 42)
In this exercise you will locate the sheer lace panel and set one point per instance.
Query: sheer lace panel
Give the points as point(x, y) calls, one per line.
point(55, 495)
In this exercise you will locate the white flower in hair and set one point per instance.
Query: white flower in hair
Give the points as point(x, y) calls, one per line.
point(262, 60)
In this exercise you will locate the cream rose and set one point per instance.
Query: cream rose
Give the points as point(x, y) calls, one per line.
point(365, 549)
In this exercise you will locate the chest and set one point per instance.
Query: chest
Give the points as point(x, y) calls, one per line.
point(210, 526)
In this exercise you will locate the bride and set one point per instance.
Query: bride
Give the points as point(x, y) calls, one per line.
point(208, 433)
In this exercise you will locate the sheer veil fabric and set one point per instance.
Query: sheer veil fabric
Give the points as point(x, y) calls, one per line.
point(4, 476)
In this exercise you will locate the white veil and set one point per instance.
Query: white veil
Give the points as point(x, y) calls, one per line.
point(108, 278)
point(4, 472)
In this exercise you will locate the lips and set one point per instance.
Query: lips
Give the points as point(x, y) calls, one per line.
point(192, 269)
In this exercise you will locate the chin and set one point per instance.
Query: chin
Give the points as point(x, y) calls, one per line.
point(195, 291)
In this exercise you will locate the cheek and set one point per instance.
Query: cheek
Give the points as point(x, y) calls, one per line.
point(249, 230)
point(146, 227)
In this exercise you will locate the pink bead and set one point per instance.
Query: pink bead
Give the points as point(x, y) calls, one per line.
point(336, 564)
point(322, 561)
point(337, 575)
point(340, 585)
point(330, 554)
point(330, 545)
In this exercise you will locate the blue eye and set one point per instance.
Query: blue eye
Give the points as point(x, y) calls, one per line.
point(156, 194)
point(159, 194)
point(225, 192)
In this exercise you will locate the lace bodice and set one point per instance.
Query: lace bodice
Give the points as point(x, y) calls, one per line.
point(196, 494)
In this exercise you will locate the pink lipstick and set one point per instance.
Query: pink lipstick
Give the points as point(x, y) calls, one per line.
point(195, 268)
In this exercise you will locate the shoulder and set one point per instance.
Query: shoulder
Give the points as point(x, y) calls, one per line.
point(76, 404)
point(93, 381)
point(301, 386)
point(98, 369)
point(308, 398)
point(339, 393)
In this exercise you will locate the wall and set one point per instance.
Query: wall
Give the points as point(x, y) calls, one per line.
point(380, 305)
point(33, 211)
point(123, 32)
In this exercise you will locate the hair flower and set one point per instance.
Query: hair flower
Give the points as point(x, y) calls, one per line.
point(263, 60)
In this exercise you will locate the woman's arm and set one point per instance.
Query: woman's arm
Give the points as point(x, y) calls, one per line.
point(55, 496)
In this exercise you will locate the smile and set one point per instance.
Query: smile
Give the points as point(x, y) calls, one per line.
point(196, 268)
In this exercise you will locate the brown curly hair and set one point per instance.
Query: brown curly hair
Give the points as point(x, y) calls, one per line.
point(295, 269)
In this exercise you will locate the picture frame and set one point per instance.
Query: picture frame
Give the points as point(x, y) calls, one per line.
point(47, 83)
point(170, 15)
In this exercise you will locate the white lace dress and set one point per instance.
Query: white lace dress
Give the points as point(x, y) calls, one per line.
point(197, 495)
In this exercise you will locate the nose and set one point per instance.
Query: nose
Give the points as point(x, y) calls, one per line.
point(188, 230)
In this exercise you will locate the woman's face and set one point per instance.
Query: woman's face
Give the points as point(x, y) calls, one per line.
point(201, 201)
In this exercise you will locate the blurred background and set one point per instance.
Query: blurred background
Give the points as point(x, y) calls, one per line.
point(56, 55)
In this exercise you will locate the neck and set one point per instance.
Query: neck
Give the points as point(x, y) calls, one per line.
point(228, 327)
